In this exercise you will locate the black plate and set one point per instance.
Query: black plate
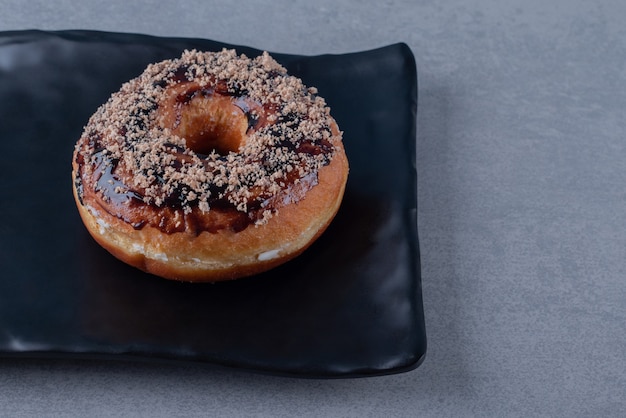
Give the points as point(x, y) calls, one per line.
point(349, 306)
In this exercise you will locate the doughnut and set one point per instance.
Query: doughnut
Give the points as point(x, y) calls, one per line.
point(209, 167)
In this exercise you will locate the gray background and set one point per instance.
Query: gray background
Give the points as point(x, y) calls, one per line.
point(522, 211)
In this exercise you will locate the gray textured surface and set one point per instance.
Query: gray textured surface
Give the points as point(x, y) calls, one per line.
point(522, 211)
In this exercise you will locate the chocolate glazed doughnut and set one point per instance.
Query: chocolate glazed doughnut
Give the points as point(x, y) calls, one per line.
point(210, 167)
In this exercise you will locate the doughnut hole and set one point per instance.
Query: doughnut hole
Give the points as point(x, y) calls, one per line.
point(212, 123)
point(207, 122)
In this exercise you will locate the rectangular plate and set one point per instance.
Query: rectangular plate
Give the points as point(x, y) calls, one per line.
point(351, 305)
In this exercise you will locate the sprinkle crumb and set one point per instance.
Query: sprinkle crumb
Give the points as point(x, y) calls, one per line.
point(158, 166)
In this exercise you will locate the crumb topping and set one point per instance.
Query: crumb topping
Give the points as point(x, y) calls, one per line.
point(124, 137)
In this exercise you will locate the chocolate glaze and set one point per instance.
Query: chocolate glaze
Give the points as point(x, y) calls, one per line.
point(121, 201)
point(114, 194)
point(116, 198)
